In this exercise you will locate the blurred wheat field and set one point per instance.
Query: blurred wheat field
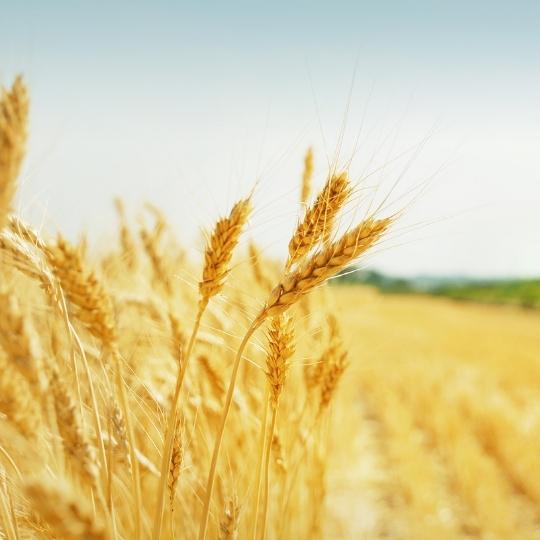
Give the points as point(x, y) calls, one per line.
point(444, 402)
point(144, 394)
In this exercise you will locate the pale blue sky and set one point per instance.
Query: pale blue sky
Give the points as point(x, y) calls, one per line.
point(187, 104)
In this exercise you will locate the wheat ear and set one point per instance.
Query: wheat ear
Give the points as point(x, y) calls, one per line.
point(319, 219)
point(129, 249)
point(325, 263)
point(17, 401)
point(258, 272)
point(76, 446)
point(18, 339)
point(92, 306)
point(161, 276)
point(228, 527)
point(175, 464)
point(280, 349)
point(307, 176)
point(217, 259)
point(70, 516)
point(218, 253)
point(13, 135)
point(331, 379)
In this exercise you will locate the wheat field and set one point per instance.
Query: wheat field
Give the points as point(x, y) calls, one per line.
point(144, 394)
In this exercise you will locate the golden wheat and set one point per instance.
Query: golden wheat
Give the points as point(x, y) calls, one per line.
point(395, 418)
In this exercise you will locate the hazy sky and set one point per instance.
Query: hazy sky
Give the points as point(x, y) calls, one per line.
point(188, 104)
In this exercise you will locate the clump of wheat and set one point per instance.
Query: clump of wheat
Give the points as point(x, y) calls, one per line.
point(107, 429)
point(318, 222)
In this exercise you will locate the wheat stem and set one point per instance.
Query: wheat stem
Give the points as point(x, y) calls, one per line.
point(267, 473)
point(171, 424)
point(135, 473)
point(219, 439)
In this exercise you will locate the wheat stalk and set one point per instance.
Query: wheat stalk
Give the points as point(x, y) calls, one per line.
point(320, 267)
point(217, 259)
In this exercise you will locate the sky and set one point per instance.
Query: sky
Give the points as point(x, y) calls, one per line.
point(434, 108)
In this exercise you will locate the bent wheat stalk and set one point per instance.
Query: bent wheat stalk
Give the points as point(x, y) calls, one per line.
point(324, 264)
